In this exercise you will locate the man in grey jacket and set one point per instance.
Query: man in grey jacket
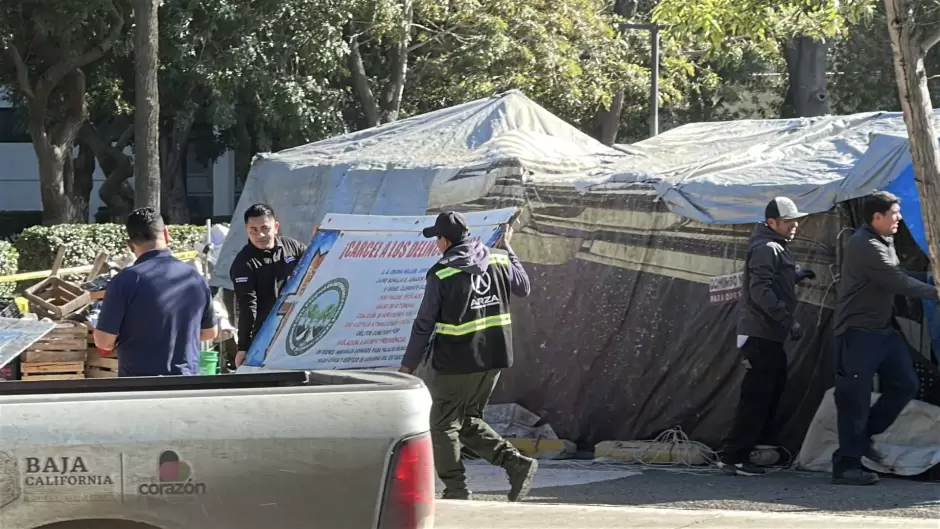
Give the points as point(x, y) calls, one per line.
point(867, 341)
point(765, 320)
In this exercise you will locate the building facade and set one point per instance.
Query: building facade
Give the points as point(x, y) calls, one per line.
point(210, 188)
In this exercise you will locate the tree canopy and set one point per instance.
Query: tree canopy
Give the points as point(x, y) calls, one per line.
point(260, 75)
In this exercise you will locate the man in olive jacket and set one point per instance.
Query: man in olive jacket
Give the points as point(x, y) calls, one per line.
point(765, 321)
point(465, 315)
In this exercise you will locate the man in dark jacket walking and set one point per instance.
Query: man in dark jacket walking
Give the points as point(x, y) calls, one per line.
point(765, 320)
point(466, 306)
point(867, 341)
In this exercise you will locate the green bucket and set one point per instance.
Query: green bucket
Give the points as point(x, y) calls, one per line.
point(209, 363)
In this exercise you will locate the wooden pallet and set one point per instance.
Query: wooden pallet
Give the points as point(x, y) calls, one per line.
point(56, 298)
point(97, 366)
point(52, 370)
point(65, 343)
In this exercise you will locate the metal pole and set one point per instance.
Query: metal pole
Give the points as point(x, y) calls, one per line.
point(654, 71)
point(654, 81)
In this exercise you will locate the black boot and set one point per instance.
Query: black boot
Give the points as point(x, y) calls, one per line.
point(854, 476)
point(456, 494)
point(521, 472)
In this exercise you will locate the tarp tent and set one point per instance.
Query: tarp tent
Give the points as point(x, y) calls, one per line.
point(629, 330)
point(725, 172)
point(416, 164)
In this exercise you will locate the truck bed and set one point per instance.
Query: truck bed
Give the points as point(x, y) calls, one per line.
point(279, 379)
point(277, 450)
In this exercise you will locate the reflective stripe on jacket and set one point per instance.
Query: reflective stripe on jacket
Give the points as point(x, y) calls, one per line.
point(474, 330)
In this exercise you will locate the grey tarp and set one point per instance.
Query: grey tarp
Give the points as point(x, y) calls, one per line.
point(630, 326)
point(723, 173)
point(409, 166)
point(716, 173)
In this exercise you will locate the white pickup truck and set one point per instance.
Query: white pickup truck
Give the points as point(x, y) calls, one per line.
point(280, 450)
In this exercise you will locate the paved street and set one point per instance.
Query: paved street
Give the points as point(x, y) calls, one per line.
point(478, 514)
point(778, 492)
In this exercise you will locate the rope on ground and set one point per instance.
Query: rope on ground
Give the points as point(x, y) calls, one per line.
point(686, 456)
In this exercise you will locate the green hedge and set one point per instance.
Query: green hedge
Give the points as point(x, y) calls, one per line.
point(8, 265)
point(37, 245)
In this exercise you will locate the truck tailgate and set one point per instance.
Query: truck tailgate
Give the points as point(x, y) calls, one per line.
point(305, 456)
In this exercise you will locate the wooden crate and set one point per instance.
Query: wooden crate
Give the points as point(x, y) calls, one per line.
point(56, 298)
point(97, 366)
point(52, 370)
point(65, 343)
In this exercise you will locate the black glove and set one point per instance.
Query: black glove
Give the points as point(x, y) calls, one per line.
point(805, 273)
point(796, 331)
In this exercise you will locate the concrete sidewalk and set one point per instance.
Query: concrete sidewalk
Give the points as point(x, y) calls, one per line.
point(499, 515)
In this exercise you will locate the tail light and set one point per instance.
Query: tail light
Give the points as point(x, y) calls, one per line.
point(409, 492)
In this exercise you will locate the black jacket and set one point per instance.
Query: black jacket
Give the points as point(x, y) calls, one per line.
point(768, 289)
point(466, 305)
point(257, 276)
point(870, 279)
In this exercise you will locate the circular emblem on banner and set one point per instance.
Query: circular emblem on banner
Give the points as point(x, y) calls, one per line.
point(317, 316)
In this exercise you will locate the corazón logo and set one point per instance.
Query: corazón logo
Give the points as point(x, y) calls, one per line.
point(175, 478)
point(317, 316)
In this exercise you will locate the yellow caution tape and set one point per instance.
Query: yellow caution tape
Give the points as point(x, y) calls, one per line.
point(26, 276)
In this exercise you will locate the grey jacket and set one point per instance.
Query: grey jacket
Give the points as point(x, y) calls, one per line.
point(768, 289)
point(871, 277)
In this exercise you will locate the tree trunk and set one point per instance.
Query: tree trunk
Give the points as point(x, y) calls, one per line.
point(806, 68)
point(63, 204)
point(398, 64)
point(244, 147)
point(360, 83)
point(116, 166)
point(147, 107)
point(909, 51)
point(56, 206)
point(173, 180)
point(607, 121)
point(173, 186)
point(63, 199)
point(83, 172)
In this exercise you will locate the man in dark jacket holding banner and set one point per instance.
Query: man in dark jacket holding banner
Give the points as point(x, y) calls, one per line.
point(466, 307)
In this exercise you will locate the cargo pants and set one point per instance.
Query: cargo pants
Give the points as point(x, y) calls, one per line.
point(457, 417)
point(860, 355)
point(765, 379)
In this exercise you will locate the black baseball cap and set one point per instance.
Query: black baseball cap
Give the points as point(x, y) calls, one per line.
point(782, 208)
point(449, 225)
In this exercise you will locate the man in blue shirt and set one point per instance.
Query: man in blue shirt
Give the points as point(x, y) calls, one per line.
point(157, 310)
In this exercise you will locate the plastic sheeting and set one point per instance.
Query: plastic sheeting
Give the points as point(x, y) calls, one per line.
point(725, 173)
point(413, 165)
point(716, 173)
point(909, 446)
point(624, 336)
point(629, 330)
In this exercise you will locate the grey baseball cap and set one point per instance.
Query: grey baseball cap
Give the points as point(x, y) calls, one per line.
point(783, 208)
